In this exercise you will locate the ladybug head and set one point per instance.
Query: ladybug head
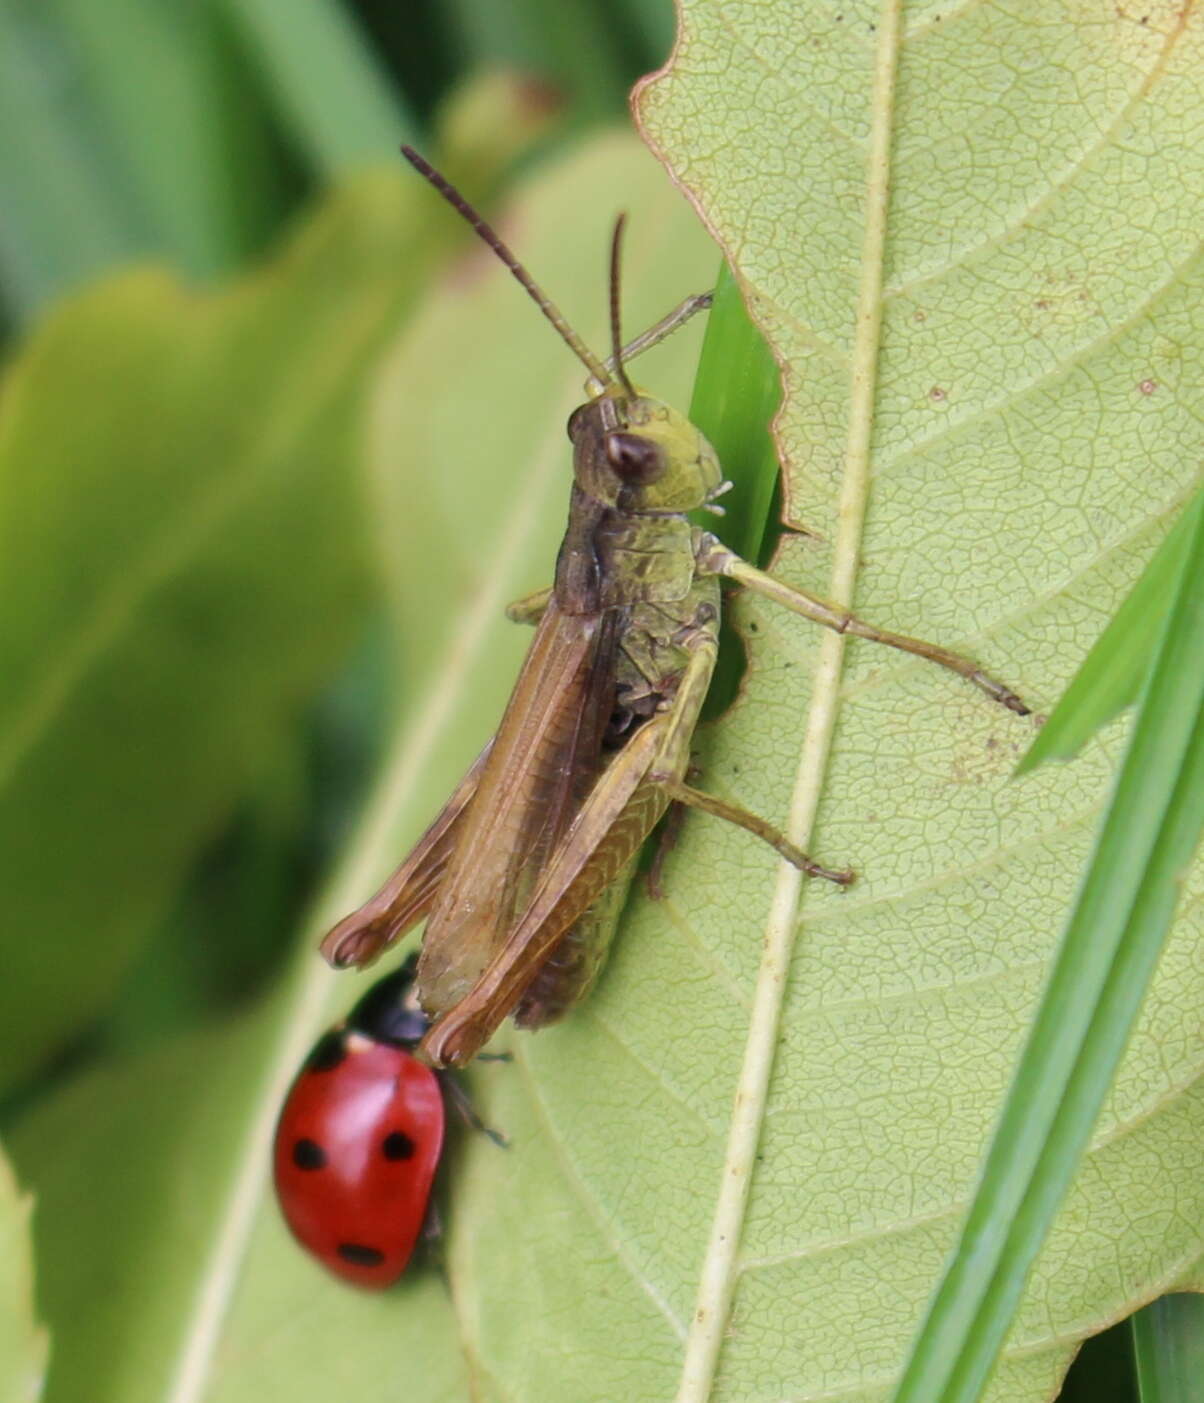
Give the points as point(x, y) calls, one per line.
point(389, 1012)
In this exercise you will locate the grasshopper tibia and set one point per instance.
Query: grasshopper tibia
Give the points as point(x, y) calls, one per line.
point(681, 793)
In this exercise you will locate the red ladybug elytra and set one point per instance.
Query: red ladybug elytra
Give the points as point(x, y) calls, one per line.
point(359, 1138)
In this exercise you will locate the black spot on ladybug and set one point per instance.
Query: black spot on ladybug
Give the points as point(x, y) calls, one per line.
point(359, 1255)
point(397, 1145)
point(328, 1052)
point(308, 1154)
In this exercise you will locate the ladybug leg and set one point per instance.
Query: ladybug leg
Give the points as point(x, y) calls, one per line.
point(457, 1098)
point(431, 1243)
point(432, 1227)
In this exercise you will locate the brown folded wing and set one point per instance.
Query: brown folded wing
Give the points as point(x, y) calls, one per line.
point(410, 892)
point(544, 761)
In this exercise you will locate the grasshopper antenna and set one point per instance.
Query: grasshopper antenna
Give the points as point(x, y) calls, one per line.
point(616, 336)
point(541, 299)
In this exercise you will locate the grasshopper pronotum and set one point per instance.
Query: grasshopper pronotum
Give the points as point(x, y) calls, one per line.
point(519, 874)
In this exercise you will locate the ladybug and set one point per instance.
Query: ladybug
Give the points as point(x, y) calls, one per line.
point(360, 1135)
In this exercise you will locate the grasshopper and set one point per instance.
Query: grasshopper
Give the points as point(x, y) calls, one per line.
point(520, 876)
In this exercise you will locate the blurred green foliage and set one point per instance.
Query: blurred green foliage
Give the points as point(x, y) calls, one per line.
point(191, 132)
point(197, 137)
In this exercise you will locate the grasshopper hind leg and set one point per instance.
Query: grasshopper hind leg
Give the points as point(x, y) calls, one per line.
point(682, 793)
point(575, 963)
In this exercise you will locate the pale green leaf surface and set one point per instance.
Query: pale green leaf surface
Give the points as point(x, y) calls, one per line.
point(1126, 903)
point(23, 1342)
point(1013, 410)
point(181, 564)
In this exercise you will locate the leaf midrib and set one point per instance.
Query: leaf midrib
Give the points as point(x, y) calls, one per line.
point(721, 1266)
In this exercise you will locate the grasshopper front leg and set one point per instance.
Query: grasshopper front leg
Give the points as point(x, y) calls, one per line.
point(715, 559)
point(531, 607)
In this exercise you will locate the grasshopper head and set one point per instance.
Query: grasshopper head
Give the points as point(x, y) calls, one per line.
point(639, 455)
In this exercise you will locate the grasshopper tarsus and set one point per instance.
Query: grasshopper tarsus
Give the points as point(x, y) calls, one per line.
point(677, 318)
point(845, 877)
point(1000, 693)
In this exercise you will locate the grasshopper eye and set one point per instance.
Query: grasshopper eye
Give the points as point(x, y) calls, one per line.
point(638, 461)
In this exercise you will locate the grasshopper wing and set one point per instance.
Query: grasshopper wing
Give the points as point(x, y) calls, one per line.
point(408, 895)
point(543, 763)
point(609, 828)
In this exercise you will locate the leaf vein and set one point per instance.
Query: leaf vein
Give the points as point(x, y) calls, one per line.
point(1081, 163)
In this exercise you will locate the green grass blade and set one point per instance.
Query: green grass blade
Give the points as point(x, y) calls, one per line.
point(570, 42)
point(737, 390)
point(1112, 674)
point(61, 219)
point(328, 86)
point(23, 1341)
point(1095, 991)
point(736, 393)
point(150, 75)
point(1168, 1343)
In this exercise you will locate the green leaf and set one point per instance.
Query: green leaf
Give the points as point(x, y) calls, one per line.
point(574, 44)
point(990, 422)
point(98, 170)
point(23, 1342)
point(182, 563)
point(162, 138)
point(186, 1287)
point(1116, 669)
point(1086, 1016)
